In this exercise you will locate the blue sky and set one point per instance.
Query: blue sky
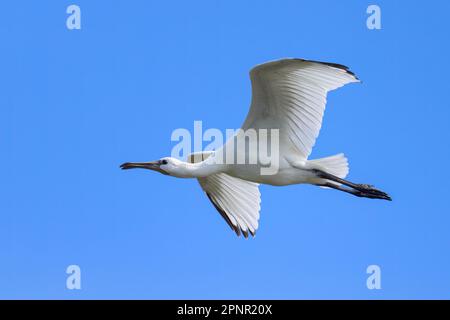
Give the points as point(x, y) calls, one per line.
point(75, 104)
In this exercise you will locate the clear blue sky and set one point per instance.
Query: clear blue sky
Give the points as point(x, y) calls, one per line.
point(76, 104)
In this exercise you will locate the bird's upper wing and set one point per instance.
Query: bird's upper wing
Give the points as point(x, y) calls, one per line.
point(238, 201)
point(290, 95)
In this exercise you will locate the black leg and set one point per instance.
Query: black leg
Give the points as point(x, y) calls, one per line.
point(359, 190)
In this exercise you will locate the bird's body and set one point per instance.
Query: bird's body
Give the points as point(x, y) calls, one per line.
point(288, 102)
point(286, 175)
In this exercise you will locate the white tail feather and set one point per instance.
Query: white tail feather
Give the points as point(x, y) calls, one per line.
point(336, 165)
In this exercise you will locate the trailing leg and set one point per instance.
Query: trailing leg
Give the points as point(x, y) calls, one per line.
point(359, 190)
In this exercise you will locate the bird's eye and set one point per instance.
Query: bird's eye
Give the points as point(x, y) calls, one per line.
point(164, 161)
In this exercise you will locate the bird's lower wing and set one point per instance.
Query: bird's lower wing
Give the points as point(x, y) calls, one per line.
point(237, 200)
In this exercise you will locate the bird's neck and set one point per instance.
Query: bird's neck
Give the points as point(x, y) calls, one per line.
point(199, 169)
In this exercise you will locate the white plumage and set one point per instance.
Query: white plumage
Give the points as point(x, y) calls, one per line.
point(291, 94)
point(288, 95)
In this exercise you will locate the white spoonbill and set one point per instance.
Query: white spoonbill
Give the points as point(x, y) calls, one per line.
point(288, 95)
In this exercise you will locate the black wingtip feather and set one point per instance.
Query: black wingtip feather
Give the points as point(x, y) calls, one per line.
point(224, 215)
point(334, 65)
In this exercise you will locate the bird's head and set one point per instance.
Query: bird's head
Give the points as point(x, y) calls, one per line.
point(167, 165)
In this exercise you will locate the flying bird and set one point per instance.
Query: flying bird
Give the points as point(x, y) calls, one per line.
point(288, 95)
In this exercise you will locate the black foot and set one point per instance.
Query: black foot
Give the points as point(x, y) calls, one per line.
point(368, 191)
point(372, 195)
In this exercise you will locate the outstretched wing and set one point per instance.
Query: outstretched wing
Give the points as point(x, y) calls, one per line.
point(237, 201)
point(290, 95)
